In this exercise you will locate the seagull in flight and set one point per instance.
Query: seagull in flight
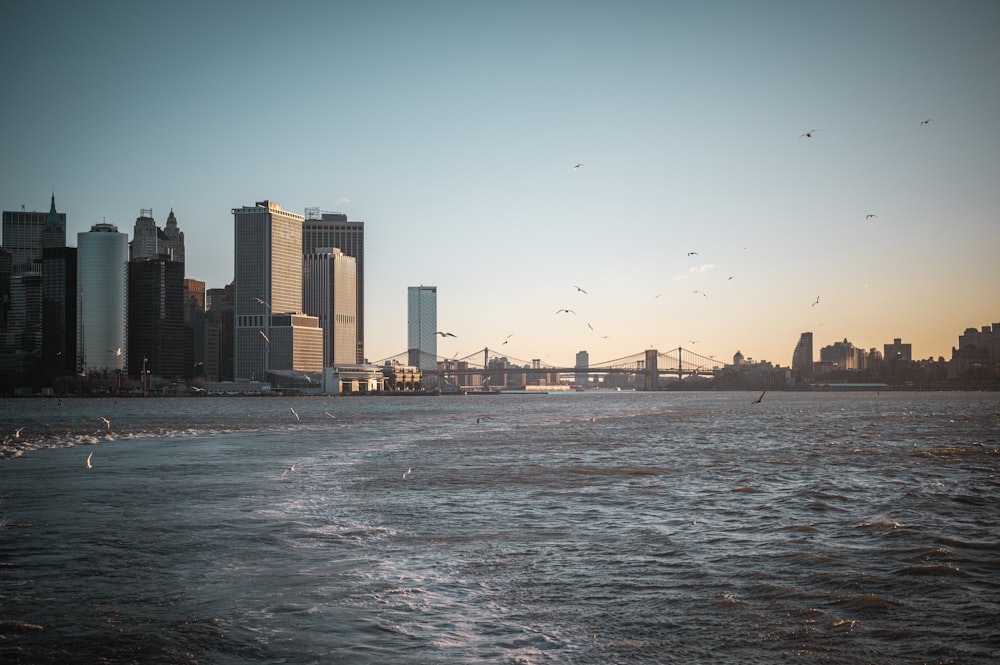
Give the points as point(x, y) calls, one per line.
point(759, 399)
point(815, 303)
point(266, 338)
point(106, 422)
point(870, 215)
point(445, 334)
point(701, 292)
point(692, 253)
point(295, 414)
point(505, 339)
point(89, 465)
point(579, 289)
point(263, 302)
point(17, 432)
point(926, 122)
point(808, 134)
point(576, 166)
point(565, 310)
point(291, 468)
point(407, 472)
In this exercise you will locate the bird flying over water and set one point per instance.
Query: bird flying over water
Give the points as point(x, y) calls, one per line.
point(692, 253)
point(106, 422)
point(870, 215)
point(17, 432)
point(295, 414)
point(576, 166)
point(407, 472)
point(89, 465)
point(565, 310)
point(815, 303)
point(808, 134)
point(291, 468)
point(926, 122)
point(759, 399)
point(579, 289)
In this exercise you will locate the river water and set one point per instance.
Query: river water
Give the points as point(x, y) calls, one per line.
point(589, 528)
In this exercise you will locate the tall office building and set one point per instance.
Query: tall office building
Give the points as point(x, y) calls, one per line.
point(25, 234)
point(329, 292)
point(267, 298)
point(327, 229)
point(802, 357)
point(421, 324)
point(219, 334)
point(59, 302)
point(102, 305)
point(174, 239)
point(156, 317)
point(582, 362)
point(194, 327)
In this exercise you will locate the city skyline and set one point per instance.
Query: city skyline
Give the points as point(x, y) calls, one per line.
point(701, 208)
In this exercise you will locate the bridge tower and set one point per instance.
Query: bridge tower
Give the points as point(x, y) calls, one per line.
point(652, 370)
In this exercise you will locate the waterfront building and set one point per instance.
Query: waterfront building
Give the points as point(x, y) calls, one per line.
point(898, 351)
point(582, 361)
point(156, 317)
point(329, 281)
point(268, 282)
point(102, 305)
point(802, 357)
point(194, 328)
point(173, 241)
point(329, 229)
point(219, 334)
point(421, 327)
point(59, 303)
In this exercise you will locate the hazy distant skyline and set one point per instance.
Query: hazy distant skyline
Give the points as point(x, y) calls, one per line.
point(452, 129)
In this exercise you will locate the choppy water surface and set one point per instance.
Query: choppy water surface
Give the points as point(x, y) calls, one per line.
point(578, 528)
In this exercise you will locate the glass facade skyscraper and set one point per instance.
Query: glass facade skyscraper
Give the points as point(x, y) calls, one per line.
point(421, 325)
point(102, 308)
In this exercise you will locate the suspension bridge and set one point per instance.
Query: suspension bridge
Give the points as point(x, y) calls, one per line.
point(495, 368)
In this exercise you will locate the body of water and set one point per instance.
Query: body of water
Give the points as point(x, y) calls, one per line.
point(588, 528)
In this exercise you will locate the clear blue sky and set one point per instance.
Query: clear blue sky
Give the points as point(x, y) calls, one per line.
point(451, 129)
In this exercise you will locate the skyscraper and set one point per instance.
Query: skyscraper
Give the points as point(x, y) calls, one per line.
point(422, 327)
point(802, 357)
point(102, 308)
point(156, 317)
point(327, 229)
point(25, 234)
point(268, 292)
point(173, 243)
point(329, 292)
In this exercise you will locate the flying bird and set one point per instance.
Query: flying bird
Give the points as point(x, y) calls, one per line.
point(407, 472)
point(295, 414)
point(327, 413)
point(576, 166)
point(759, 399)
point(815, 303)
point(89, 465)
point(701, 292)
point(106, 422)
point(565, 310)
point(17, 432)
point(291, 468)
point(692, 253)
point(445, 334)
point(590, 326)
point(263, 302)
point(579, 289)
point(808, 134)
point(505, 339)
point(870, 215)
point(266, 338)
point(926, 122)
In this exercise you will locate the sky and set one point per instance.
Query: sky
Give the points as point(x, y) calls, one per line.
point(701, 217)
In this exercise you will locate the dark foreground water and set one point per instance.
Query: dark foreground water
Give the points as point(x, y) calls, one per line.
point(577, 528)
